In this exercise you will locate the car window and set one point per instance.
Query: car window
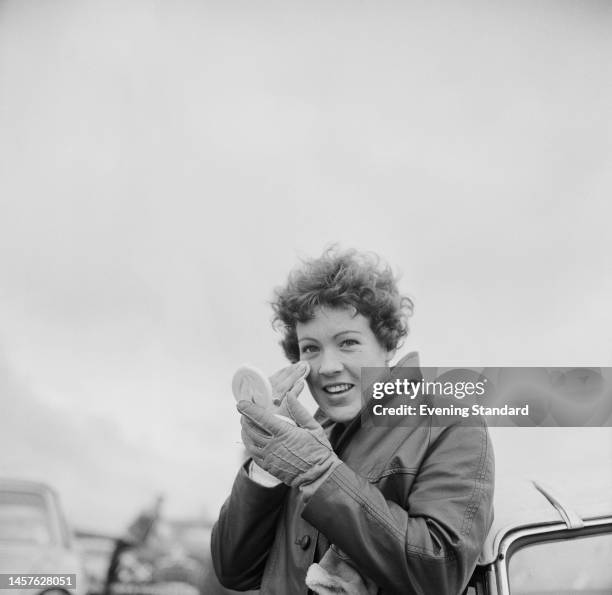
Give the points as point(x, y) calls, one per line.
point(564, 567)
point(24, 519)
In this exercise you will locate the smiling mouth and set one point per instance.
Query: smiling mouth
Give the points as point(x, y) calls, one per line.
point(338, 389)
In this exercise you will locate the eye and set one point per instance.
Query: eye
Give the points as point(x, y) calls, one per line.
point(349, 342)
point(309, 349)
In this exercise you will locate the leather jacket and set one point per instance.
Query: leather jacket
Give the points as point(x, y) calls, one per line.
point(410, 506)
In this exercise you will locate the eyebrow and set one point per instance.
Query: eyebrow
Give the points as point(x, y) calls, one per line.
point(335, 336)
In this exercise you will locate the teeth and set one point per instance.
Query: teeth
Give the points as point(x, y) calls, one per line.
point(337, 388)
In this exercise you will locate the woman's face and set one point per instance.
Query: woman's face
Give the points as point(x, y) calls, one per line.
point(337, 343)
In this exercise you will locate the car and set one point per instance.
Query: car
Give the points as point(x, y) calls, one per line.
point(552, 532)
point(36, 539)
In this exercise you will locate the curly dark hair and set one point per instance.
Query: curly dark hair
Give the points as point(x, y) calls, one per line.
point(341, 279)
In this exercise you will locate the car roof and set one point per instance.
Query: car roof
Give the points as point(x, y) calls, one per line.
point(24, 485)
point(520, 503)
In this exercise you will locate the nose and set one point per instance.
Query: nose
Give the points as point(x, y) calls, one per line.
point(329, 364)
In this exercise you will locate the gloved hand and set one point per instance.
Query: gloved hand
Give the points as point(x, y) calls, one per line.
point(297, 455)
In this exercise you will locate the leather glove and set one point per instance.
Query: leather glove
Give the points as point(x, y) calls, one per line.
point(297, 455)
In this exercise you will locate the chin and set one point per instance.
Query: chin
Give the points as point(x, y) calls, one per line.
point(342, 414)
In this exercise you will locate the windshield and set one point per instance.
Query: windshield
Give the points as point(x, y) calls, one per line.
point(565, 567)
point(24, 518)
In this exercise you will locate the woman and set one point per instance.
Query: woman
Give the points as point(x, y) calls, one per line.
point(382, 509)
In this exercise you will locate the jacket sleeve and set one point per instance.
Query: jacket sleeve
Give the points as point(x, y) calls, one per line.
point(431, 542)
point(242, 537)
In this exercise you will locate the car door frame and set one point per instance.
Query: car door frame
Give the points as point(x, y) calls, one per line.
point(495, 577)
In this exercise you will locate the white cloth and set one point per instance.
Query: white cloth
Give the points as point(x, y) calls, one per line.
point(262, 477)
point(336, 575)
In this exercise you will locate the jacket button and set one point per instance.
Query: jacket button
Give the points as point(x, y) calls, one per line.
point(304, 542)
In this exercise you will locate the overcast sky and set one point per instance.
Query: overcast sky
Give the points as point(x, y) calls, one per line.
point(163, 165)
